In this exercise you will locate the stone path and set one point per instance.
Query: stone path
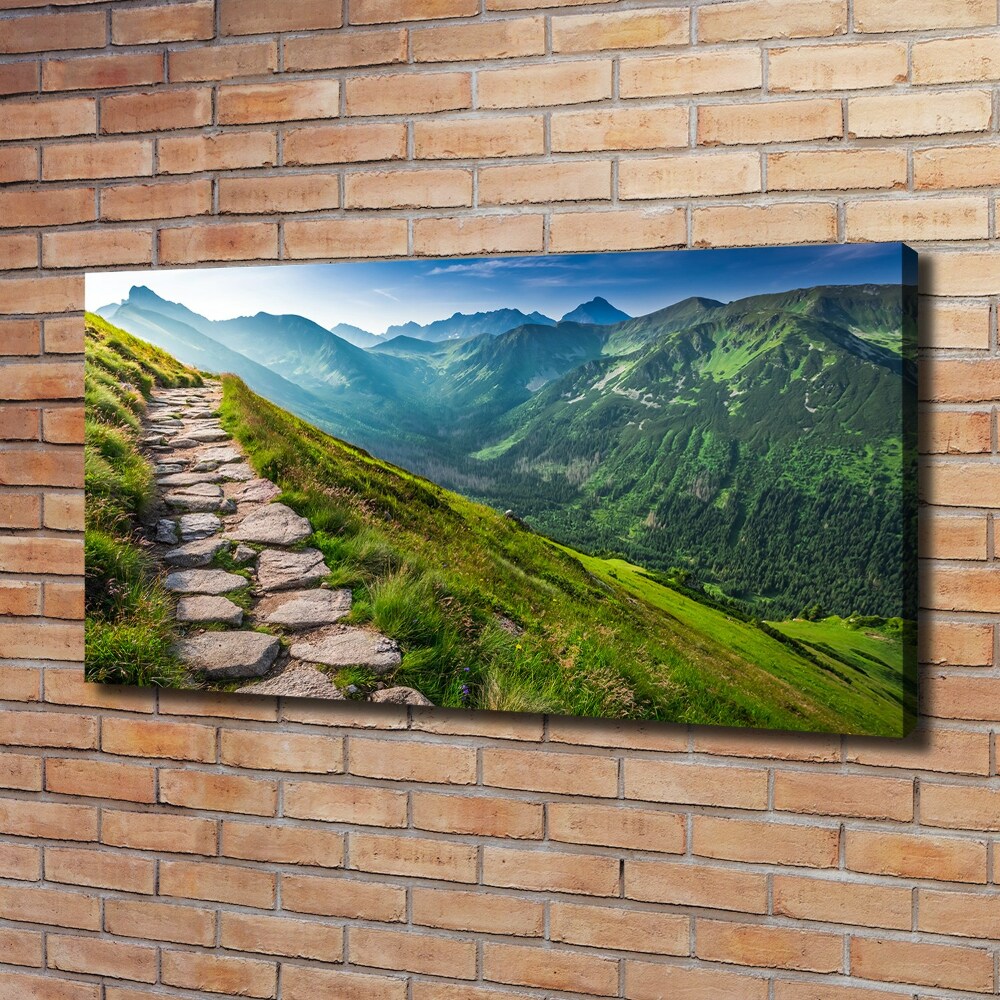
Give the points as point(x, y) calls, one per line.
point(212, 505)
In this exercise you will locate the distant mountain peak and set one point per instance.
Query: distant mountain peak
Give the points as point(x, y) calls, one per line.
point(598, 312)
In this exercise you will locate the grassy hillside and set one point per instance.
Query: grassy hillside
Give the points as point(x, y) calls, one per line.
point(491, 615)
point(129, 628)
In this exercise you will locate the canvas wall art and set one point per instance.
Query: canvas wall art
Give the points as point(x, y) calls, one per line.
point(661, 486)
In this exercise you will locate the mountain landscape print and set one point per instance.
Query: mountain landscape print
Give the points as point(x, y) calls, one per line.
point(656, 486)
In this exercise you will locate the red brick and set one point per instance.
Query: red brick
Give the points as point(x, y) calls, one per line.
point(223, 62)
point(964, 914)
point(47, 118)
point(931, 749)
point(20, 336)
point(485, 817)
point(550, 871)
point(32, 905)
point(410, 761)
point(99, 779)
point(221, 241)
point(138, 69)
point(410, 93)
point(541, 85)
point(480, 41)
point(77, 160)
point(620, 929)
point(345, 237)
point(18, 251)
point(470, 138)
point(299, 982)
point(156, 111)
point(63, 511)
point(908, 855)
point(174, 740)
point(48, 729)
point(31, 987)
point(97, 248)
point(282, 844)
point(281, 936)
point(41, 295)
point(20, 947)
point(698, 884)
point(922, 963)
point(348, 898)
point(478, 912)
point(343, 803)
point(768, 947)
point(50, 32)
point(18, 163)
point(49, 820)
point(408, 189)
point(242, 977)
point(626, 30)
point(20, 510)
point(752, 19)
point(955, 433)
point(176, 22)
point(487, 234)
point(692, 784)
point(218, 883)
point(225, 151)
point(156, 201)
point(839, 902)
point(372, 48)
point(960, 807)
point(712, 72)
point(418, 857)
point(412, 952)
point(20, 861)
point(550, 968)
point(47, 208)
point(21, 772)
point(278, 102)
point(19, 78)
point(272, 751)
point(345, 143)
point(543, 771)
point(253, 17)
point(159, 922)
point(827, 794)
point(765, 843)
point(647, 981)
point(64, 335)
point(381, 11)
point(20, 684)
point(218, 792)
point(101, 868)
point(68, 687)
point(19, 598)
point(157, 831)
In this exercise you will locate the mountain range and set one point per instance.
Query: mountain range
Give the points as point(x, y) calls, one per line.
point(756, 446)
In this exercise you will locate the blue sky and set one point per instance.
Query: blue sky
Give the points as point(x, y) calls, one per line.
point(377, 294)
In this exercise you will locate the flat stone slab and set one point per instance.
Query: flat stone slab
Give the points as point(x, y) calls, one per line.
point(184, 442)
point(400, 696)
point(244, 554)
point(258, 491)
point(166, 531)
point(208, 435)
point(236, 472)
point(219, 655)
point(194, 554)
point(351, 647)
point(301, 609)
point(209, 609)
point(273, 524)
point(299, 681)
point(277, 570)
point(168, 469)
point(192, 503)
point(194, 526)
point(220, 455)
point(182, 479)
point(204, 581)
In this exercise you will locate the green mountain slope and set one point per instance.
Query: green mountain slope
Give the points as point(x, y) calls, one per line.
point(758, 444)
point(491, 615)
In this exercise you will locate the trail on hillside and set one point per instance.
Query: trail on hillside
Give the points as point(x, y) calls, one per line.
point(251, 601)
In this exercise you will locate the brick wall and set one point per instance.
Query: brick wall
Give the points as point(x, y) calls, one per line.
point(189, 846)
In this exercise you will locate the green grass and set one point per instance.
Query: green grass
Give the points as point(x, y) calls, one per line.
point(596, 637)
point(129, 629)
